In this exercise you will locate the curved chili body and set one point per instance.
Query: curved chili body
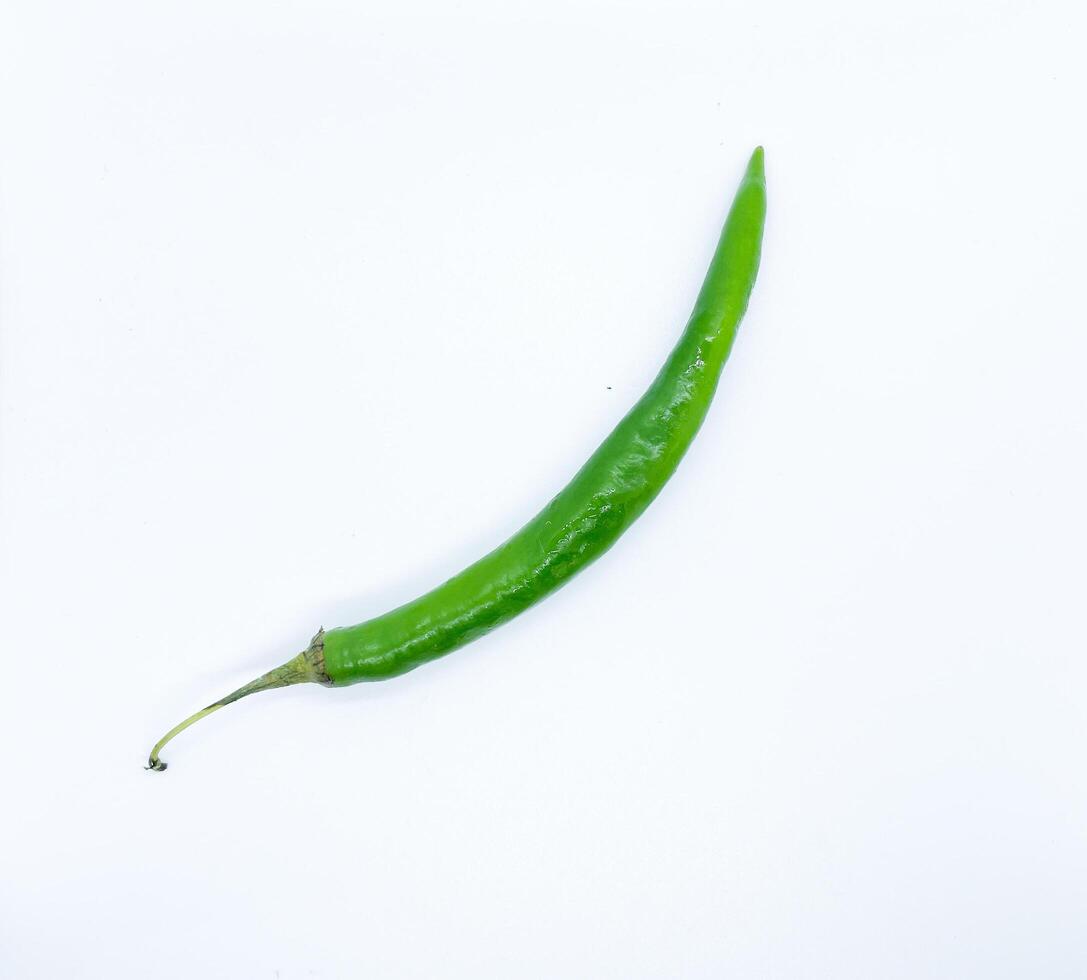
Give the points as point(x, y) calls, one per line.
point(606, 495)
point(617, 483)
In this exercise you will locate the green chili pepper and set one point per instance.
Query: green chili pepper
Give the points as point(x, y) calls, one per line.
point(602, 500)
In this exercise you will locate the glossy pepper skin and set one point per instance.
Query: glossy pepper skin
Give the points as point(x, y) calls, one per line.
point(605, 497)
point(586, 517)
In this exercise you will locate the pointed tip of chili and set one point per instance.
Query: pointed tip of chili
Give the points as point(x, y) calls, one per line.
point(755, 167)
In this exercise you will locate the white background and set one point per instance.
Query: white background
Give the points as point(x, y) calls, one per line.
point(304, 306)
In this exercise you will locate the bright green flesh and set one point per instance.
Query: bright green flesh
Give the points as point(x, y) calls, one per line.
point(586, 518)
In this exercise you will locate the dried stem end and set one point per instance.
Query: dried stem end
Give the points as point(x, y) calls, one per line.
point(306, 668)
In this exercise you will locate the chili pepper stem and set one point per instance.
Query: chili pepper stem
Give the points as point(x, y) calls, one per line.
point(307, 667)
